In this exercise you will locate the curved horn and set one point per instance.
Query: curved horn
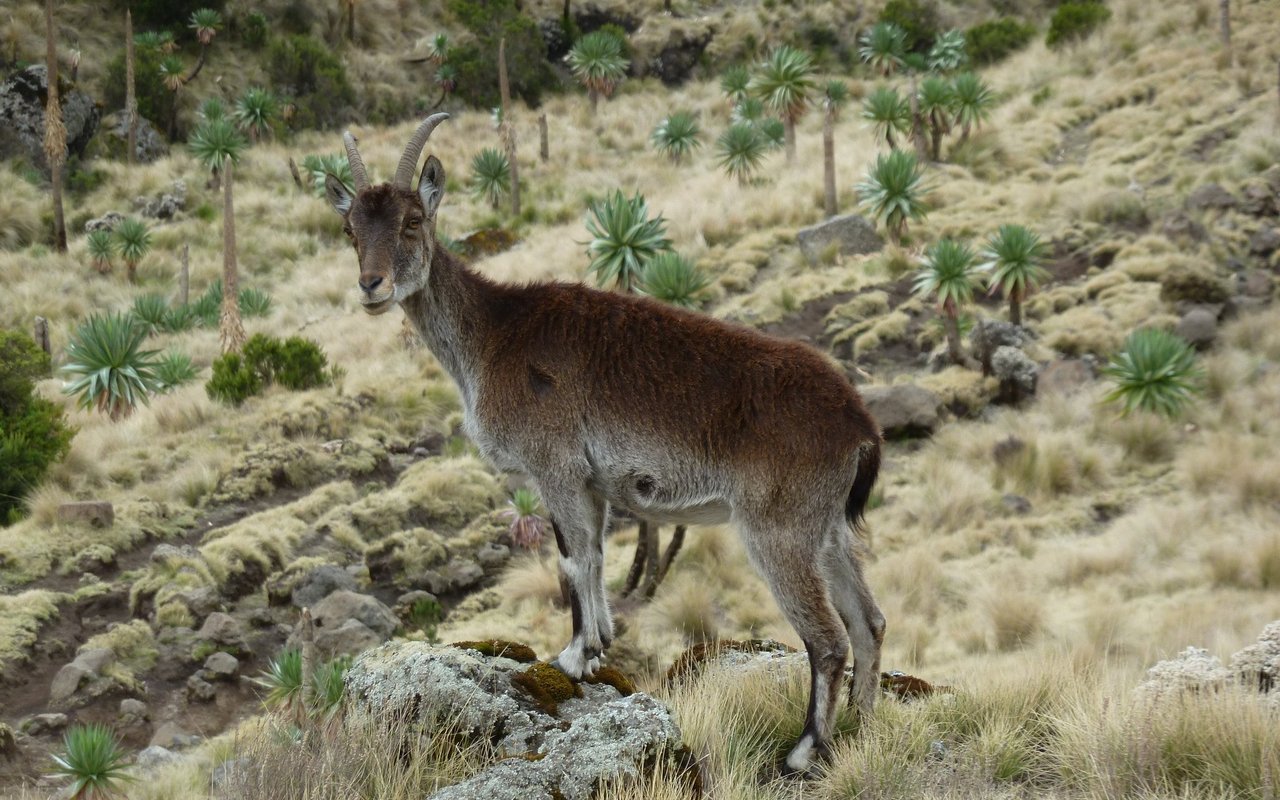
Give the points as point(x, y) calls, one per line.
point(413, 150)
point(358, 173)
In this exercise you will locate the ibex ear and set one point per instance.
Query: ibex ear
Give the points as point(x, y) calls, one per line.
point(431, 186)
point(337, 193)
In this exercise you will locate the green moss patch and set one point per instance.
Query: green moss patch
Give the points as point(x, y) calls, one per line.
point(608, 676)
point(499, 648)
point(548, 686)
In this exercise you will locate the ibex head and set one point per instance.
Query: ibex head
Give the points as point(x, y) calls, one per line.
point(391, 226)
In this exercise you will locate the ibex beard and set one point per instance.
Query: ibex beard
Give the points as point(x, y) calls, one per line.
point(607, 400)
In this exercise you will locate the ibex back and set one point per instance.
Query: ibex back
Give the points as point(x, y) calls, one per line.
point(608, 399)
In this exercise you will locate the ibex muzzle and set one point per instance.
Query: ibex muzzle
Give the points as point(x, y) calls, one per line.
point(614, 400)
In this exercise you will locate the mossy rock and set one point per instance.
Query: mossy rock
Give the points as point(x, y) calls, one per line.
point(608, 676)
point(548, 686)
point(691, 661)
point(405, 556)
point(500, 648)
point(1193, 286)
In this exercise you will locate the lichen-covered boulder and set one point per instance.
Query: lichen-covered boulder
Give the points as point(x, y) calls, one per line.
point(903, 410)
point(22, 101)
point(557, 738)
point(848, 235)
point(1194, 669)
point(1016, 372)
point(1259, 663)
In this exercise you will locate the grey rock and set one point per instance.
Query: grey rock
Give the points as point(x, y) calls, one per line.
point(1016, 503)
point(991, 334)
point(200, 690)
point(1013, 368)
point(171, 735)
point(1179, 226)
point(590, 739)
point(66, 682)
point(94, 513)
point(22, 101)
point(620, 739)
point(1265, 242)
point(88, 664)
point(408, 599)
point(349, 638)
point(1211, 196)
point(1064, 377)
point(229, 774)
point(850, 234)
point(149, 144)
point(1199, 327)
point(222, 666)
point(156, 756)
point(321, 582)
point(133, 709)
point(680, 53)
point(334, 610)
point(1258, 665)
point(106, 222)
point(203, 601)
point(43, 723)
point(461, 574)
point(165, 553)
point(1261, 195)
point(165, 205)
point(902, 410)
point(222, 628)
point(1257, 283)
point(493, 556)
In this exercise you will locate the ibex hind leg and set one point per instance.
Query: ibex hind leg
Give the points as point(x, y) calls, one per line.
point(578, 520)
point(788, 560)
point(857, 607)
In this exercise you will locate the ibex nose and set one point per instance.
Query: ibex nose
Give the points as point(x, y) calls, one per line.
point(368, 285)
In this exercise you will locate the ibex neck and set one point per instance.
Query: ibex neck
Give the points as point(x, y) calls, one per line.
point(450, 314)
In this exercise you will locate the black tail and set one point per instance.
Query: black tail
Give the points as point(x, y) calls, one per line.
point(868, 468)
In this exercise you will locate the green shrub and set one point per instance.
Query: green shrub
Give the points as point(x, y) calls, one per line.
point(476, 61)
point(1073, 21)
point(302, 68)
point(1156, 371)
point(992, 41)
point(233, 380)
point(155, 101)
point(94, 760)
point(294, 363)
point(152, 310)
point(918, 18)
point(253, 30)
point(165, 14)
point(33, 433)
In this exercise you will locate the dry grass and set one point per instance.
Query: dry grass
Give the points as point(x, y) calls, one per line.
point(1142, 537)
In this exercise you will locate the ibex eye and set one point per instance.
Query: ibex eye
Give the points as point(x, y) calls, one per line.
point(412, 224)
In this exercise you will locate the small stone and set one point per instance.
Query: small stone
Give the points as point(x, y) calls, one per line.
point(1211, 196)
point(95, 659)
point(1264, 242)
point(1007, 449)
point(1016, 503)
point(1064, 377)
point(170, 735)
point(321, 582)
point(200, 690)
point(349, 638)
point(42, 724)
point(492, 556)
point(1199, 327)
point(133, 709)
point(222, 666)
point(334, 610)
point(902, 410)
point(228, 773)
point(847, 235)
point(66, 682)
point(94, 513)
point(222, 628)
point(156, 756)
point(938, 749)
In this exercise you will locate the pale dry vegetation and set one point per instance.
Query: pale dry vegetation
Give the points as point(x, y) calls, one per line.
point(1142, 535)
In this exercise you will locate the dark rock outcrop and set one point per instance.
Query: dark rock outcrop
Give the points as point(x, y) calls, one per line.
point(22, 100)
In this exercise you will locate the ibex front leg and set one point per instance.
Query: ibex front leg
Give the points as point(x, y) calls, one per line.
point(578, 519)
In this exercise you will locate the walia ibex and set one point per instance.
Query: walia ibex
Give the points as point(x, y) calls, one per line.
point(610, 399)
